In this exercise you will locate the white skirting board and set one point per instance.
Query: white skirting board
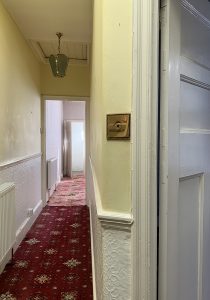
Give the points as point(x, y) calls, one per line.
point(96, 239)
point(93, 257)
point(26, 225)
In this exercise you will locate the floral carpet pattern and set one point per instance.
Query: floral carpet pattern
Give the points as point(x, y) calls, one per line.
point(69, 192)
point(54, 260)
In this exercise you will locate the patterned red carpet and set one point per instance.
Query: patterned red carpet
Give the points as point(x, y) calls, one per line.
point(69, 192)
point(54, 260)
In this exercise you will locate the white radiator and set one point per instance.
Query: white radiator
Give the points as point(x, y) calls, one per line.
point(52, 171)
point(7, 222)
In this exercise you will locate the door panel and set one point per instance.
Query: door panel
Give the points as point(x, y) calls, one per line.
point(194, 34)
point(194, 107)
point(184, 153)
point(190, 191)
point(193, 150)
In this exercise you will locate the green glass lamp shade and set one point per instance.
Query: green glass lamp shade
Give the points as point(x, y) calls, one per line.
point(59, 64)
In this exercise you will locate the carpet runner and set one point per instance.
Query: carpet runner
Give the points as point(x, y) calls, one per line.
point(54, 259)
point(69, 192)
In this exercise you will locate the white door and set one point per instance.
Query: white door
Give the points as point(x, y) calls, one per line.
point(184, 220)
point(78, 146)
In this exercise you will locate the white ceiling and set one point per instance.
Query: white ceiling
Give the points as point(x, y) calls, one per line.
point(77, 52)
point(39, 20)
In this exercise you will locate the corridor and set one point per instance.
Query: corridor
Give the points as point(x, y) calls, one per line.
point(54, 259)
point(99, 75)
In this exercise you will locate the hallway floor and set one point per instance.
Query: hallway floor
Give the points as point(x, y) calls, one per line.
point(69, 192)
point(54, 260)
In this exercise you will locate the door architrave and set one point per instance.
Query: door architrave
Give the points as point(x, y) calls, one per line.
point(44, 98)
point(144, 147)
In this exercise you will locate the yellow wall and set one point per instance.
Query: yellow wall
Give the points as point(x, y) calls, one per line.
point(111, 92)
point(19, 93)
point(75, 83)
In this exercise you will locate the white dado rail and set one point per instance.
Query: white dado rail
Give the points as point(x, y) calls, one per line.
point(111, 247)
point(115, 219)
point(18, 161)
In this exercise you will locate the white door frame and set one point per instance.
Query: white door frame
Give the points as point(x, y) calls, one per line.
point(144, 153)
point(169, 139)
point(43, 134)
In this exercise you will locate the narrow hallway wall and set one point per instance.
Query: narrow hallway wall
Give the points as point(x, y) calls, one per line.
point(75, 83)
point(109, 172)
point(111, 92)
point(19, 93)
point(20, 158)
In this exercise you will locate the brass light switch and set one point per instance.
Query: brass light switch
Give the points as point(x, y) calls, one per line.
point(118, 127)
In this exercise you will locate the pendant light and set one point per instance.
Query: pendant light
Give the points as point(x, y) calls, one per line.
point(59, 62)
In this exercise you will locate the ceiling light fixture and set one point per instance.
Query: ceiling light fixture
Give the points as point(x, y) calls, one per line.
point(59, 62)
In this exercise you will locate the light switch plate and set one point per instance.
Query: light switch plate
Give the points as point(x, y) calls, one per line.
point(118, 126)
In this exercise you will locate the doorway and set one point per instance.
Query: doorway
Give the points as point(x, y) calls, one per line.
point(74, 148)
point(64, 141)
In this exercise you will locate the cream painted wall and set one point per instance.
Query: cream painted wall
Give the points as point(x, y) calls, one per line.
point(75, 83)
point(111, 92)
point(19, 93)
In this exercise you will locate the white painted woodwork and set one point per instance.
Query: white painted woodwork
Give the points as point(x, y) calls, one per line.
point(193, 39)
point(194, 107)
point(184, 267)
point(189, 215)
point(201, 6)
point(52, 166)
point(144, 148)
point(54, 134)
point(44, 131)
point(78, 146)
point(200, 74)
